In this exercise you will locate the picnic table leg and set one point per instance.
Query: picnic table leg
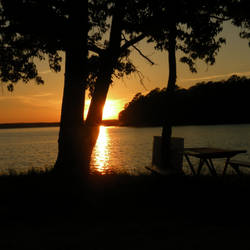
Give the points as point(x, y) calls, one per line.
point(236, 168)
point(226, 165)
point(200, 166)
point(211, 166)
point(190, 164)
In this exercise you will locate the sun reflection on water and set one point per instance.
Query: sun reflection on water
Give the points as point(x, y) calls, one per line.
point(101, 152)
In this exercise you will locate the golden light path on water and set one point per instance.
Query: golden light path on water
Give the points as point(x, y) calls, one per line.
point(100, 156)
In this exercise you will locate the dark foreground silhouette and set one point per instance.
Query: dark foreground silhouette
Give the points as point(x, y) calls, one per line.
point(43, 211)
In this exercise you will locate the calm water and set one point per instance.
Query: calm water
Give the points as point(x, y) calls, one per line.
point(118, 149)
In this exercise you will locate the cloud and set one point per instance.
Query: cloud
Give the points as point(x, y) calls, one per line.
point(45, 72)
point(42, 100)
point(12, 96)
point(215, 76)
point(42, 95)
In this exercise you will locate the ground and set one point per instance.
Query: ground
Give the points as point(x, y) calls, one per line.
point(42, 211)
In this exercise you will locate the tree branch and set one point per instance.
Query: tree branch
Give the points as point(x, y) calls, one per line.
point(145, 57)
point(95, 48)
point(138, 50)
point(221, 18)
point(132, 41)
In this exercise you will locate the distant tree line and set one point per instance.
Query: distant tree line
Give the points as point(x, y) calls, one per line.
point(221, 102)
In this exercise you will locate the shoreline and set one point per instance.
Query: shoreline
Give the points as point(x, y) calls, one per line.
point(48, 124)
point(104, 123)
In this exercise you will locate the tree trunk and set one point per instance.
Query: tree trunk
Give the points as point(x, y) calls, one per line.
point(104, 79)
point(75, 139)
point(74, 144)
point(167, 126)
point(95, 112)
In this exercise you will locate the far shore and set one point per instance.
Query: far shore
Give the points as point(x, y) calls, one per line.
point(48, 124)
point(104, 123)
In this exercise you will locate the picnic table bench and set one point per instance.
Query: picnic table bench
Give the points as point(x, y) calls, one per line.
point(236, 164)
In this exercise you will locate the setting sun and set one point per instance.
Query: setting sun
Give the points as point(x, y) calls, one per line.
point(110, 111)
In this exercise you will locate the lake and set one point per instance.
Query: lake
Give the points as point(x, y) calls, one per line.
point(118, 149)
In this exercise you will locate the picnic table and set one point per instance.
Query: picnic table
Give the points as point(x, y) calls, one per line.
point(206, 156)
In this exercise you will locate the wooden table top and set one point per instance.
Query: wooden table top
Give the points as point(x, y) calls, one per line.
point(210, 152)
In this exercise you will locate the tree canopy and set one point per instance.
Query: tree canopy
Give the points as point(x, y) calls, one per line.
point(26, 35)
point(238, 11)
point(196, 26)
point(25, 30)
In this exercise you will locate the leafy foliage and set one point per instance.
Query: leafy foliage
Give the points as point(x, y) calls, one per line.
point(196, 24)
point(239, 12)
point(25, 36)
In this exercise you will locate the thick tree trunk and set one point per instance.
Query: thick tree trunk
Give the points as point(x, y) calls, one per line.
point(74, 144)
point(75, 141)
point(167, 126)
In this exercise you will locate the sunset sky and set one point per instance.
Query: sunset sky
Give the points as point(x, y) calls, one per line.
point(32, 103)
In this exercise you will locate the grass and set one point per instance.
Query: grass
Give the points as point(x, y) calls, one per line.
point(45, 211)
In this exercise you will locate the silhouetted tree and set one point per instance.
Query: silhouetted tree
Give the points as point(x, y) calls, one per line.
point(115, 31)
point(191, 27)
point(111, 58)
point(76, 29)
point(42, 36)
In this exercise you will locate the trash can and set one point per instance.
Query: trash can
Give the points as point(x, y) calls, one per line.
point(176, 154)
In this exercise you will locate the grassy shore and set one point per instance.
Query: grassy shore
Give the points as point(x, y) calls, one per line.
point(44, 211)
